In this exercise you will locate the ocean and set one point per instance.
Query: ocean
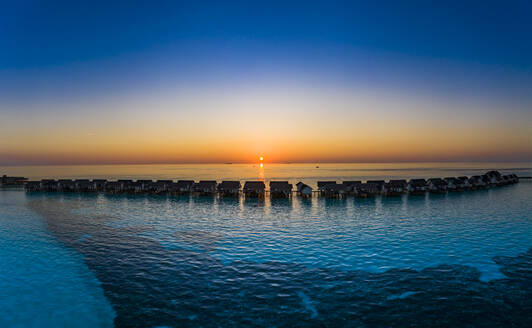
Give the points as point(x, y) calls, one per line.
point(101, 260)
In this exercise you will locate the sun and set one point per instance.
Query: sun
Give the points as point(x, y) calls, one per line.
point(261, 158)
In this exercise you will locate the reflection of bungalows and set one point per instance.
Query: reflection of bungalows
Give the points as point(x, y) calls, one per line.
point(254, 189)
point(453, 184)
point(351, 187)
point(66, 185)
point(436, 185)
point(205, 187)
point(322, 184)
point(99, 184)
point(394, 188)
point(184, 186)
point(33, 186)
point(333, 190)
point(12, 181)
point(280, 189)
point(462, 183)
point(417, 186)
point(83, 185)
point(477, 182)
point(304, 190)
point(229, 188)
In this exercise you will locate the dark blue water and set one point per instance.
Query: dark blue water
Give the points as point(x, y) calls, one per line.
point(461, 259)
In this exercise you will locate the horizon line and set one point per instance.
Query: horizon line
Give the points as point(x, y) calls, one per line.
point(266, 163)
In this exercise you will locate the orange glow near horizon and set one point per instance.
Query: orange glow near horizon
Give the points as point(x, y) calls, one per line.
point(296, 129)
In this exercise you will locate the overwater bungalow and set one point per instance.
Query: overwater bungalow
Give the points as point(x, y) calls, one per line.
point(369, 189)
point(12, 181)
point(66, 185)
point(113, 187)
point(304, 190)
point(144, 185)
point(163, 186)
point(184, 186)
point(99, 184)
point(376, 185)
point(83, 185)
point(333, 190)
point(49, 185)
point(486, 180)
point(280, 189)
point(322, 184)
point(33, 186)
point(394, 188)
point(515, 178)
point(229, 188)
point(494, 177)
point(254, 189)
point(477, 182)
point(436, 185)
point(136, 187)
point(126, 185)
point(205, 187)
point(417, 186)
point(452, 183)
point(507, 179)
point(463, 183)
point(351, 187)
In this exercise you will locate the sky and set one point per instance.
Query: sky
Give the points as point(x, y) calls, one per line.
point(98, 82)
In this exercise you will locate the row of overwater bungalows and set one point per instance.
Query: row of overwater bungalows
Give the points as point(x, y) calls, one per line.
point(278, 189)
point(12, 181)
point(414, 186)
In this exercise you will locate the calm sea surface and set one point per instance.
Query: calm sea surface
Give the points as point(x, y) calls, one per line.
point(308, 173)
point(97, 260)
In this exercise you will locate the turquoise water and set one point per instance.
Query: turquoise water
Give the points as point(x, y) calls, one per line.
point(99, 260)
point(42, 282)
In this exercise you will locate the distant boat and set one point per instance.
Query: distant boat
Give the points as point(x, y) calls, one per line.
point(317, 167)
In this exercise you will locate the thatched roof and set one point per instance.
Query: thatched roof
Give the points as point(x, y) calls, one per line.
point(351, 183)
point(322, 184)
point(257, 186)
point(417, 182)
point(397, 183)
point(205, 185)
point(283, 186)
point(229, 185)
point(436, 182)
point(184, 184)
point(334, 188)
point(494, 174)
point(300, 186)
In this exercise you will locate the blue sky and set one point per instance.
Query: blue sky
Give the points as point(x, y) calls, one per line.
point(462, 56)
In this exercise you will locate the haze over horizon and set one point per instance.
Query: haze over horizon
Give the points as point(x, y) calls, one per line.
point(305, 81)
